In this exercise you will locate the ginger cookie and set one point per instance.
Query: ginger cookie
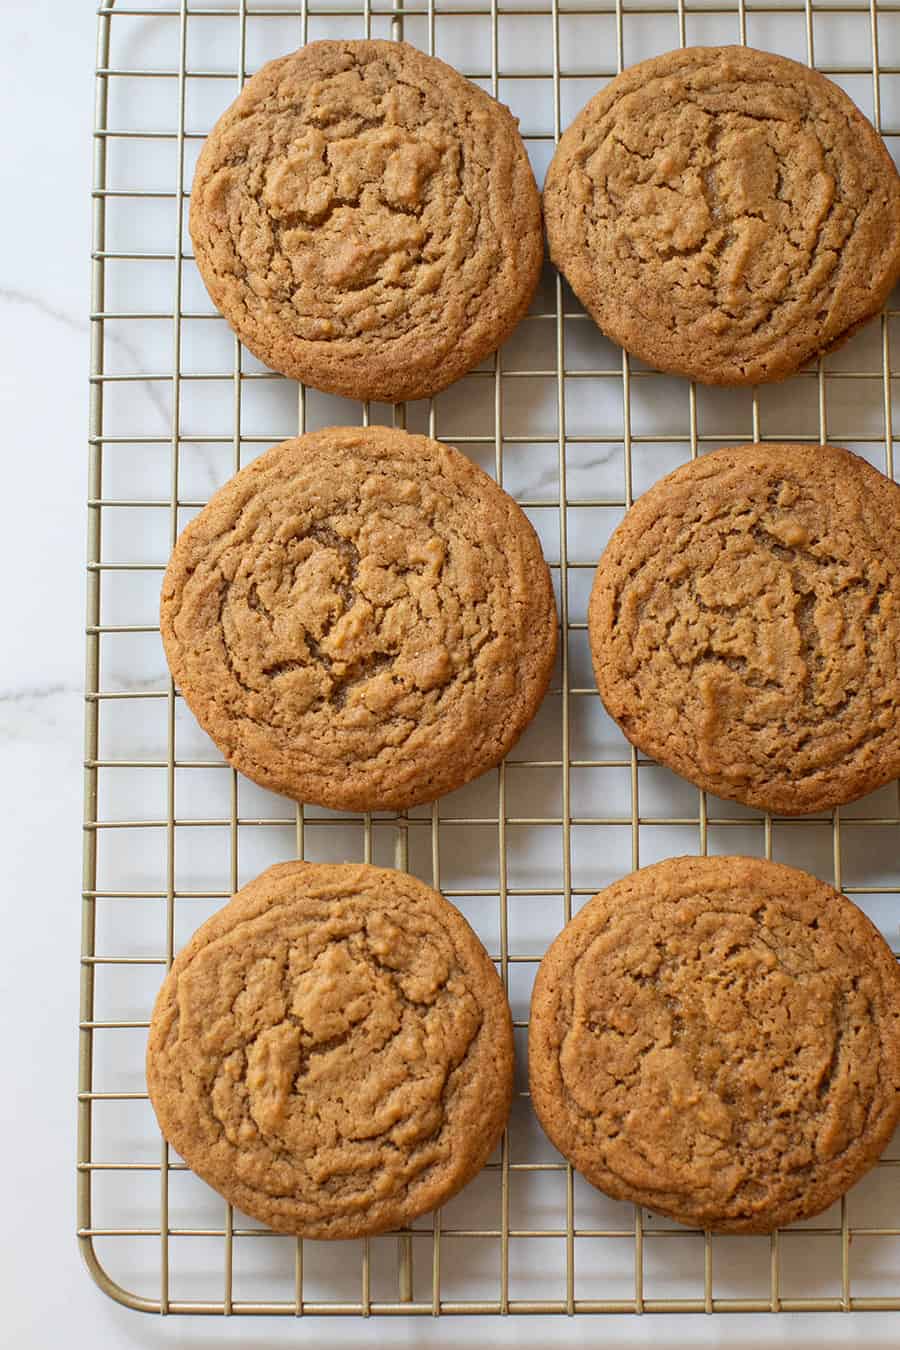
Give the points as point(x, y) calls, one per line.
point(332, 1051)
point(360, 618)
point(725, 214)
point(745, 625)
point(367, 220)
point(718, 1039)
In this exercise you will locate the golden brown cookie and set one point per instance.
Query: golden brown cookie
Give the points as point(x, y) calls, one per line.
point(366, 219)
point(333, 1050)
point(725, 214)
point(745, 625)
point(718, 1039)
point(360, 618)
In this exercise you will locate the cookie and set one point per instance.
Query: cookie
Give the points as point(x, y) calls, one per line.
point(360, 618)
point(332, 1051)
point(718, 1039)
point(745, 625)
point(367, 221)
point(725, 214)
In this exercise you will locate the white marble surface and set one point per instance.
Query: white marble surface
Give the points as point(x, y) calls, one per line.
point(47, 1299)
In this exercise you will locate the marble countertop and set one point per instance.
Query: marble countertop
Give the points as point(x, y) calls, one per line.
point(46, 94)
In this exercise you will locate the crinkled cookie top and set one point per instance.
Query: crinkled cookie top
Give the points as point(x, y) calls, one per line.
point(725, 214)
point(367, 220)
point(719, 1039)
point(745, 625)
point(360, 618)
point(332, 1051)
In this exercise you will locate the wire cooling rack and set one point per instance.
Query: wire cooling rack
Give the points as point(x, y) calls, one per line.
point(575, 431)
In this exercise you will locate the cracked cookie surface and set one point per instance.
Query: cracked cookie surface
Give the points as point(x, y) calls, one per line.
point(718, 1039)
point(332, 1051)
point(360, 618)
point(367, 220)
point(725, 214)
point(744, 625)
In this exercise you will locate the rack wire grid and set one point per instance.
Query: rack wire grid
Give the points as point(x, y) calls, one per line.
point(575, 430)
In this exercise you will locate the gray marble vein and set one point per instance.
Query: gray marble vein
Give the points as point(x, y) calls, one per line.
point(10, 295)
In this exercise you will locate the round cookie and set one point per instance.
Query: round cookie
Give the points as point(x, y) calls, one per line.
point(360, 618)
point(367, 220)
point(332, 1051)
point(725, 214)
point(718, 1039)
point(744, 625)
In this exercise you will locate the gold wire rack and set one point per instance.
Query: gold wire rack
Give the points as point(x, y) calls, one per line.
point(575, 430)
